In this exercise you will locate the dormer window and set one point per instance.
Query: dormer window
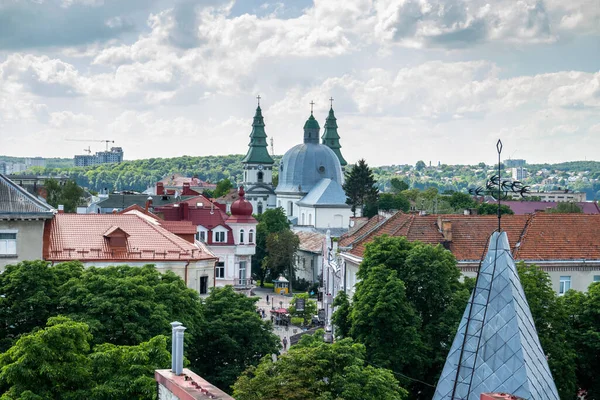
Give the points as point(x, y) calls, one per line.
point(117, 237)
point(219, 237)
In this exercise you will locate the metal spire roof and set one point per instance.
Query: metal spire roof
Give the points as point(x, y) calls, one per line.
point(496, 348)
point(257, 151)
point(331, 138)
point(16, 202)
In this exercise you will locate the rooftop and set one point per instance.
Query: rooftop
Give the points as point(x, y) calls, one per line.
point(187, 386)
point(16, 202)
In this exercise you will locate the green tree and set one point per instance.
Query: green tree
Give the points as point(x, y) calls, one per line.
point(271, 221)
point(69, 195)
point(566, 208)
point(281, 249)
point(420, 165)
point(341, 315)
point(385, 322)
point(398, 185)
point(310, 307)
point(388, 201)
point(550, 319)
point(313, 369)
point(492, 209)
point(223, 187)
point(234, 337)
point(461, 201)
point(360, 187)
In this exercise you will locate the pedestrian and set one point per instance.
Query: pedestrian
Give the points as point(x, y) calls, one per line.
point(267, 299)
point(284, 343)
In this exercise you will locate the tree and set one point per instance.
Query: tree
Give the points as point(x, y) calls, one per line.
point(461, 201)
point(313, 369)
point(234, 337)
point(385, 322)
point(420, 165)
point(310, 307)
point(341, 315)
point(271, 221)
point(398, 185)
point(566, 208)
point(281, 249)
point(388, 201)
point(492, 209)
point(360, 187)
point(56, 363)
point(223, 187)
point(550, 319)
point(69, 195)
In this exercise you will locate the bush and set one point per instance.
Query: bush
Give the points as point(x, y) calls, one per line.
point(301, 285)
point(297, 321)
point(270, 285)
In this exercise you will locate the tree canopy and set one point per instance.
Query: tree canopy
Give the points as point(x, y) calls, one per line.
point(360, 188)
point(69, 195)
point(313, 369)
point(269, 222)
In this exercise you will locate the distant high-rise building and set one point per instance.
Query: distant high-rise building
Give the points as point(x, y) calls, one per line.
point(35, 162)
point(514, 163)
point(115, 155)
point(519, 173)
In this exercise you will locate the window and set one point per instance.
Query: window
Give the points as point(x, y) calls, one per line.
point(565, 284)
point(290, 208)
point(241, 236)
point(302, 219)
point(251, 236)
point(8, 243)
point(242, 275)
point(201, 236)
point(260, 208)
point(596, 278)
point(219, 237)
point(310, 219)
point(220, 270)
point(259, 176)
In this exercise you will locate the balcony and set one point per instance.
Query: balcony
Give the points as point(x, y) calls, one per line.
point(245, 249)
point(242, 283)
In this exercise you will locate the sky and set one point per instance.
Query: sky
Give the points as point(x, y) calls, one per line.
point(432, 80)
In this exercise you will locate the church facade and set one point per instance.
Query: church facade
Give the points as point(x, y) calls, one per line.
point(309, 188)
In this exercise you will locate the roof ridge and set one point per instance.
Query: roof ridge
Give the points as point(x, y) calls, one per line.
point(369, 231)
point(162, 231)
point(33, 199)
point(410, 220)
point(523, 234)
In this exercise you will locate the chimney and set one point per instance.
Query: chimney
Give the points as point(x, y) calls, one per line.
point(160, 189)
point(148, 203)
point(177, 349)
point(447, 230)
point(61, 209)
point(185, 211)
point(186, 189)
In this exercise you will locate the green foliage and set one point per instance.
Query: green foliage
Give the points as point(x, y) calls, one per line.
point(492, 209)
point(550, 319)
point(271, 221)
point(281, 250)
point(223, 187)
point(461, 201)
point(360, 188)
point(297, 321)
point(310, 307)
point(388, 201)
point(566, 208)
point(313, 369)
point(398, 185)
point(234, 337)
point(56, 363)
point(341, 315)
point(420, 165)
point(69, 194)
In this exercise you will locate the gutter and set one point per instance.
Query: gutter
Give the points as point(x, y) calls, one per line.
point(186, 272)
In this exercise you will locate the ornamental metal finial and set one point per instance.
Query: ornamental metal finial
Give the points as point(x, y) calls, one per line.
point(312, 103)
point(258, 98)
point(331, 101)
point(497, 187)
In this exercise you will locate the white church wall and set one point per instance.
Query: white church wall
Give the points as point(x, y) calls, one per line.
point(332, 217)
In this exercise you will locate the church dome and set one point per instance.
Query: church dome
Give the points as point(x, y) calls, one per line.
point(304, 165)
point(241, 207)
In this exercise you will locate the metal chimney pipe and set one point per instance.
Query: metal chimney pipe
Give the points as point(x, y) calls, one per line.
point(174, 325)
point(179, 350)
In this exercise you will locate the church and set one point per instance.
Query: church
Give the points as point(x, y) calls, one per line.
point(310, 176)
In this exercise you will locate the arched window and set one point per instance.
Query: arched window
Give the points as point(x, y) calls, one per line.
point(259, 208)
point(251, 236)
point(259, 176)
point(310, 219)
point(302, 219)
point(241, 236)
point(290, 208)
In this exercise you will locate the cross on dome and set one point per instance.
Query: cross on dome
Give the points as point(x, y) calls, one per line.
point(258, 98)
point(331, 101)
point(312, 103)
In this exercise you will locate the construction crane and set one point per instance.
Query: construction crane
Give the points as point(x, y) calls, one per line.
point(107, 141)
point(88, 150)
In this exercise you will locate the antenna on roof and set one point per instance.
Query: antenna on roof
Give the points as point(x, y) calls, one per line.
point(272, 148)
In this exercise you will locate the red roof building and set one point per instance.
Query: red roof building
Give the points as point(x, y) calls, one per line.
point(183, 185)
point(565, 245)
point(232, 238)
point(112, 239)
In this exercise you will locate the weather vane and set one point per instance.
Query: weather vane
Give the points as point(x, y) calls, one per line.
point(498, 187)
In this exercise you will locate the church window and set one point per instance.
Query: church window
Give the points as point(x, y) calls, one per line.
point(241, 236)
point(251, 236)
point(290, 208)
point(259, 176)
point(259, 208)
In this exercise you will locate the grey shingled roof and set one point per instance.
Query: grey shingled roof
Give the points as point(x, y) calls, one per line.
point(509, 357)
point(326, 192)
point(16, 202)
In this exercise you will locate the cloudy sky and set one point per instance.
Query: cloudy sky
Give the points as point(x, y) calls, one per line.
point(438, 80)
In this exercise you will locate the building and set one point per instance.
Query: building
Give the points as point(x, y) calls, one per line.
point(514, 163)
point(180, 185)
point(559, 196)
point(8, 168)
point(519, 173)
point(115, 155)
point(232, 238)
point(530, 207)
point(309, 257)
point(120, 201)
point(136, 240)
point(564, 245)
point(35, 162)
point(34, 184)
point(22, 218)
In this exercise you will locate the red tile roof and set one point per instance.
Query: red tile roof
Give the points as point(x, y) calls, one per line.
point(541, 236)
point(82, 237)
point(179, 227)
point(136, 207)
point(529, 207)
point(311, 241)
point(177, 180)
point(360, 230)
